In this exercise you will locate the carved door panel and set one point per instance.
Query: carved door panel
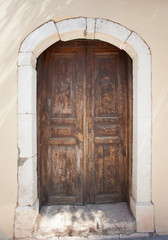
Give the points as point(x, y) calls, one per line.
point(61, 125)
point(82, 123)
point(107, 125)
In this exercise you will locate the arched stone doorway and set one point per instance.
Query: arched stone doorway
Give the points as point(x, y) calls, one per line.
point(35, 43)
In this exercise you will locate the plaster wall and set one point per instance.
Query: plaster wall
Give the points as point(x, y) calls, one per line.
point(19, 18)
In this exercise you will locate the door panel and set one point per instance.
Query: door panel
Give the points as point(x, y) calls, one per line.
point(61, 126)
point(62, 88)
point(107, 117)
point(83, 123)
point(105, 84)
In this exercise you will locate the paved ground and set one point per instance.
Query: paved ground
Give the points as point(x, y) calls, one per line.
point(101, 238)
point(113, 238)
point(149, 238)
point(96, 238)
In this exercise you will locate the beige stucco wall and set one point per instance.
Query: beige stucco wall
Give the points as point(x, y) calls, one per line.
point(18, 18)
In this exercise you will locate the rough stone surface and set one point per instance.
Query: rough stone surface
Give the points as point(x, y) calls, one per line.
point(25, 218)
point(112, 32)
point(27, 89)
point(143, 213)
point(143, 194)
point(144, 79)
point(40, 39)
point(27, 59)
point(72, 28)
point(84, 221)
point(144, 133)
point(128, 49)
point(27, 135)
point(112, 28)
point(90, 28)
point(27, 179)
point(138, 44)
point(134, 236)
point(141, 173)
point(144, 216)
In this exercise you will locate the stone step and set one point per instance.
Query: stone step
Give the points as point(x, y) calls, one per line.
point(84, 221)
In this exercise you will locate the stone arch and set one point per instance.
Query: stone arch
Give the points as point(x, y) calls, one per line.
point(33, 45)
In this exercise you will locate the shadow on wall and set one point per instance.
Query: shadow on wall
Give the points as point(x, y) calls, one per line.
point(3, 236)
point(17, 20)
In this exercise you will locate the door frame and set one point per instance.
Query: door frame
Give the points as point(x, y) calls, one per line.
point(34, 44)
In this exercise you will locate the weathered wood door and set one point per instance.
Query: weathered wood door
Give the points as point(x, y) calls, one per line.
point(84, 130)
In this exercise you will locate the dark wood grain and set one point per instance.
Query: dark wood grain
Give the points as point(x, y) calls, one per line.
point(84, 123)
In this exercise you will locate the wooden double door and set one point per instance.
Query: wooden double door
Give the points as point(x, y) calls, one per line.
point(84, 123)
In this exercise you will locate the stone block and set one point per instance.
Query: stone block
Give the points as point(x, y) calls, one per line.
point(72, 28)
point(111, 32)
point(134, 236)
point(143, 213)
point(27, 59)
point(144, 140)
point(135, 87)
point(145, 221)
point(137, 43)
point(27, 80)
point(144, 85)
point(40, 39)
point(143, 183)
point(27, 179)
point(91, 23)
point(141, 169)
point(83, 221)
point(25, 218)
point(133, 205)
point(27, 135)
point(134, 175)
point(128, 49)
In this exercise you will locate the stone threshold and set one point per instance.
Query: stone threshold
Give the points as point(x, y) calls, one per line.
point(93, 221)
